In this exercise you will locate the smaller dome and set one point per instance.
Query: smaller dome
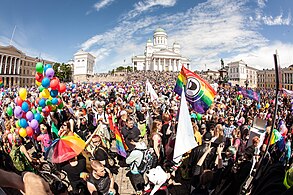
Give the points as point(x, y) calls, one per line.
point(149, 41)
point(176, 43)
point(160, 30)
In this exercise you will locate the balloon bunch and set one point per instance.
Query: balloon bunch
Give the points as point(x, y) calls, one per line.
point(26, 123)
point(49, 87)
point(30, 114)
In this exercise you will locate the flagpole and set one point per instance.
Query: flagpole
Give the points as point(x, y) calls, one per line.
point(12, 35)
point(250, 179)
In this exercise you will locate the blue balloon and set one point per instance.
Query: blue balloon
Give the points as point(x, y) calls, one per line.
point(46, 82)
point(54, 101)
point(25, 106)
point(42, 102)
point(47, 66)
point(54, 93)
point(23, 123)
point(38, 117)
point(73, 86)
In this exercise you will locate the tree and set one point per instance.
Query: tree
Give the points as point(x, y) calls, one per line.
point(63, 72)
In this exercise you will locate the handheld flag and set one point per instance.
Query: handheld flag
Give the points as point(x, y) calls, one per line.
point(120, 144)
point(1, 82)
point(199, 93)
point(249, 93)
point(185, 140)
point(150, 91)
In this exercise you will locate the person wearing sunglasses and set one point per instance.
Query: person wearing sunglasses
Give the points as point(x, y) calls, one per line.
point(65, 130)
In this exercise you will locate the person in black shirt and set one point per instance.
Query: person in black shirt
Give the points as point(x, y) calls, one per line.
point(100, 151)
point(74, 168)
point(101, 180)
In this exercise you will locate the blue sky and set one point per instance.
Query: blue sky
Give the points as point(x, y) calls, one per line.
point(114, 30)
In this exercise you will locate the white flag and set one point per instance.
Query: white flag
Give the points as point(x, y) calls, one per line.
point(150, 91)
point(185, 139)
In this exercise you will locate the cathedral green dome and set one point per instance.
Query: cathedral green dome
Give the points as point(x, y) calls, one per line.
point(159, 30)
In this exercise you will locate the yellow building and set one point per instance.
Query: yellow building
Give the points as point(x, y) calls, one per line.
point(267, 78)
point(16, 68)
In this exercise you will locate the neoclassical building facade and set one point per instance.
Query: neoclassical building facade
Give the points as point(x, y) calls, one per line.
point(16, 68)
point(158, 56)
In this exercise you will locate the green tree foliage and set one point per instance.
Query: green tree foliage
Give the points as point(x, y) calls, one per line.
point(63, 72)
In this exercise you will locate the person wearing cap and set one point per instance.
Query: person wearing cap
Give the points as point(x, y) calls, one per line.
point(198, 152)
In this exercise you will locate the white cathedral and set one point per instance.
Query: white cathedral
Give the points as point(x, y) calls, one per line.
point(158, 56)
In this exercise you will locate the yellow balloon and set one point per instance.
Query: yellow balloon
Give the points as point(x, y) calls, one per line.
point(40, 95)
point(22, 93)
point(46, 93)
point(38, 83)
point(22, 132)
point(267, 105)
point(50, 98)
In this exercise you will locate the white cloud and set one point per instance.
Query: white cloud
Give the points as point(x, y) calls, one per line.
point(145, 5)
point(263, 57)
point(102, 4)
point(207, 32)
point(262, 3)
point(278, 20)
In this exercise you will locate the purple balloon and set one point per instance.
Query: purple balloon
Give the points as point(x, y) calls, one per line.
point(18, 112)
point(50, 73)
point(37, 130)
point(29, 116)
point(34, 124)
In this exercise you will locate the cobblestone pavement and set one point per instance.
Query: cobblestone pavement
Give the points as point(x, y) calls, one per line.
point(125, 187)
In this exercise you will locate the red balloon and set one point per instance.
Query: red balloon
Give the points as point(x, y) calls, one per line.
point(48, 109)
point(62, 88)
point(56, 78)
point(17, 130)
point(18, 101)
point(24, 115)
point(39, 77)
point(131, 103)
point(37, 101)
point(29, 131)
point(54, 84)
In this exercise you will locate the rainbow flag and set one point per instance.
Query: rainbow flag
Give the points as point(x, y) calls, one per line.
point(199, 93)
point(1, 82)
point(120, 144)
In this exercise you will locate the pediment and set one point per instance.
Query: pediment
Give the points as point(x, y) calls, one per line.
point(166, 52)
point(11, 50)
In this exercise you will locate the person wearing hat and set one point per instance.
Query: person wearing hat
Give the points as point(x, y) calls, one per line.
point(197, 153)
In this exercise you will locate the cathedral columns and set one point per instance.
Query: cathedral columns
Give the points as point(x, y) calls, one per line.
point(160, 67)
point(164, 66)
point(2, 56)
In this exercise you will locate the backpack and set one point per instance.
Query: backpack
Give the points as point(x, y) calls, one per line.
point(149, 160)
point(17, 158)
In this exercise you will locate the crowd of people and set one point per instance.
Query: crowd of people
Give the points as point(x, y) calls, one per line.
point(227, 152)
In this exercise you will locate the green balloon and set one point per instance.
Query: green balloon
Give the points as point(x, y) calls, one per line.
point(9, 111)
point(48, 102)
point(39, 67)
point(198, 116)
point(60, 106)
point(34, 111)
point(42, 118)
point(40, 109)
point(41, 88)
